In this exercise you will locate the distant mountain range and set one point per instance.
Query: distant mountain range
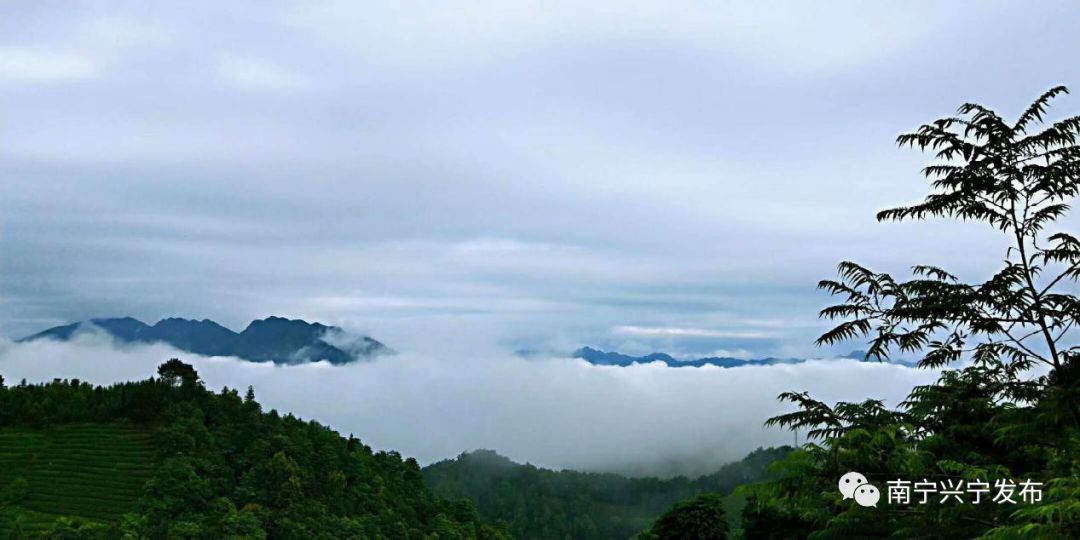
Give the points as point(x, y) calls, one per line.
point(603, 358)
point(274, 339)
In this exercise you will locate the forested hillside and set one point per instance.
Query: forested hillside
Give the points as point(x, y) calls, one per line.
point(166, 458)
point(539, 503)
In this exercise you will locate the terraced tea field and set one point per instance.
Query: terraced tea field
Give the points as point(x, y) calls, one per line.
point(91, 471)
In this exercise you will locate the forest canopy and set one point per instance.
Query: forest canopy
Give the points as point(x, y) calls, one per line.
point(224, 468)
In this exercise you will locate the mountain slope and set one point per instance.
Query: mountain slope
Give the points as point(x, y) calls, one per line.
point(274, 339)
point(205, 337)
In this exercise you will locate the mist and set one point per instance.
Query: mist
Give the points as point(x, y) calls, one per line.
point(552, 412)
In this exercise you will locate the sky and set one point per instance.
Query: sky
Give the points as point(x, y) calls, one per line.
point(631, 176)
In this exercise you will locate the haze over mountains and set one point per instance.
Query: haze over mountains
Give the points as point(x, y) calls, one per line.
point(605, 358)
point(274, 339)
point(294, 341)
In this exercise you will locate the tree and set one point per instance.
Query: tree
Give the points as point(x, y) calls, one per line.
point(700, 518)
point(1019, 183)
point(997, 417)
point(176, 373)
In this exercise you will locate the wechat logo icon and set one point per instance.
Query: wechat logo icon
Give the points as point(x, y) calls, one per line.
point(853, 485)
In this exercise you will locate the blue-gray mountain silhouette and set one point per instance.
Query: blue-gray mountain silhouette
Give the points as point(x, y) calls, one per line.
point(604, 358)
point(274, 339)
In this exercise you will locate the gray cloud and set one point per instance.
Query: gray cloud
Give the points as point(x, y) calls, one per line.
point(549, 173)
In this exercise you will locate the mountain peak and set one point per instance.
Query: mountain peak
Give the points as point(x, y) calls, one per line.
point(118, 320)
point(276, 321)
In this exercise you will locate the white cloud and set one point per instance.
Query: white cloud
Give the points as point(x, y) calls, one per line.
point(669, 331)
point(125, 33)
point(556, 412)
point(496, 246)
point(25, 65)
point(779, 37)
point(259, 75)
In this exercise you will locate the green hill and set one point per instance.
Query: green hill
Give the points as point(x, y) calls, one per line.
point(167, 458)
point(95, 472)
point(543, 504)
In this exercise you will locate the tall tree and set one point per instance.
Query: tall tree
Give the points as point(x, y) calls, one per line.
point(1018, 182)
point(1012, 410)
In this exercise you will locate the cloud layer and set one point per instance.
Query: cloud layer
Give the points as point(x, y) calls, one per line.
point(556, 412)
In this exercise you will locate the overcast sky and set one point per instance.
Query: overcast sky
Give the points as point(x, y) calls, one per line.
point(631, 176)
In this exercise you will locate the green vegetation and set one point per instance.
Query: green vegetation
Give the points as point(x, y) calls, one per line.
point(1012, 409)
point(700, 518)
point(94, 472)
point(165, 458)
point(539, 503)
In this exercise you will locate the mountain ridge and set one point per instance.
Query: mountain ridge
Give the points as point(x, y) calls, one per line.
point(608, 358)
point(273, 339)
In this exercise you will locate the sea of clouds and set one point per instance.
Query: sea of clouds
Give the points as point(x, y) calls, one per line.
point(553, 412)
